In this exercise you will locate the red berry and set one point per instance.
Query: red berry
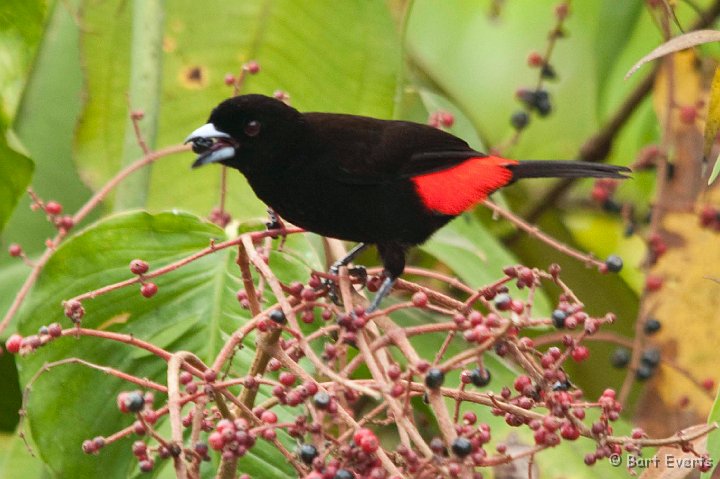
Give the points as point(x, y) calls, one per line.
point(369, 443)
point(362, 433)
point(653, 283)
point(521, 382)
point(708, 216)
point(708, 384)
point(287, 378)
point(53, 208)
point(229, 79)
point(688, 114)
point(13, 343)
point(15, 250)
point(148, 290)
point(580, 353)
point(446, 119)
point(569, 431)
point(534, 59)
point(147, 465)
point(138, 266)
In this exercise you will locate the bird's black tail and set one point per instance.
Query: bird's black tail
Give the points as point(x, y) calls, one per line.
point(567, 169)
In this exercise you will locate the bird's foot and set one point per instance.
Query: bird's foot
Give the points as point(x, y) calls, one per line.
point(333, 286)
point(274, 222)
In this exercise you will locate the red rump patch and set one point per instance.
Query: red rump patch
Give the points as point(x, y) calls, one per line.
point(461, 187)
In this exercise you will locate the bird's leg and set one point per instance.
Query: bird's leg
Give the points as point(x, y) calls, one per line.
point(357, 271)
point(274, 222)
point(393, 258)
point(384, 290)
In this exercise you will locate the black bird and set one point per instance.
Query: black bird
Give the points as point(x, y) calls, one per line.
point(382, 182)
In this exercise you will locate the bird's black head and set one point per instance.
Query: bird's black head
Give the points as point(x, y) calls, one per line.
point(247, 130)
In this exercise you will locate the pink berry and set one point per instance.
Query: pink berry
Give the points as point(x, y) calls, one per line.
point(252, 67)
point(229, 79)
point(420, 299)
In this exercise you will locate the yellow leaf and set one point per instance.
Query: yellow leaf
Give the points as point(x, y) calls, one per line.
point(712, 123)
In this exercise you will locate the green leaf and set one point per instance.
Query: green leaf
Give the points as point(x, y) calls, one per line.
point(15, 173)
point(44, 123)
point(144, 96)
point(195, 310)
point(21, 24)
point(16, 461)
point(331, 56)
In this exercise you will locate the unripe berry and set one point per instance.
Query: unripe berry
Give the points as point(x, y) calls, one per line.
point(535, 59)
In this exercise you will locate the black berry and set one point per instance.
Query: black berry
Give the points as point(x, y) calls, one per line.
point(480, 377)
point(461, 447)
point(520, 119)
point(614, 263)
point(134, 401)
point(558, 318)
point(434, 378)
point(643, 372)
point(651, 357)
point(321, 400)
point(307, 453)
point(344, 474)
point(278, 316)
point(652, 326)
point(620, 358)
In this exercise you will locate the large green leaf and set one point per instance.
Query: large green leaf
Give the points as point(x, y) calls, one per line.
point(333, 56)
point(195, 309)
point(21, 23)
point(45, 122)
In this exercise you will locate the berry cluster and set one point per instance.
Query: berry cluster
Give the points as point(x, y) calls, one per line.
point(17, 344)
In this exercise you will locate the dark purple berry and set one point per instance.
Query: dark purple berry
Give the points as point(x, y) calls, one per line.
point(652, 326)
point(614, 263)
point(461, 447)
point(434, 378)
point(307, 453)
point(278, 316)
point(620, 358)
point(480, 377)
point(558, 318)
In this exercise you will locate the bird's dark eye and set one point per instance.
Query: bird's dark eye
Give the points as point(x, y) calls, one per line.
point(252, 128)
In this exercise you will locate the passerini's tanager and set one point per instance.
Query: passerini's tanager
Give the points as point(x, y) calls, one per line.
point(382, 182)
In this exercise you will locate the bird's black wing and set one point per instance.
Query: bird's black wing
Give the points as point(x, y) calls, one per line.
point(367, 151)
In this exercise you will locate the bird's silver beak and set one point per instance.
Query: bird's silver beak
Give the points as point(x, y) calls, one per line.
point(211, 145)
